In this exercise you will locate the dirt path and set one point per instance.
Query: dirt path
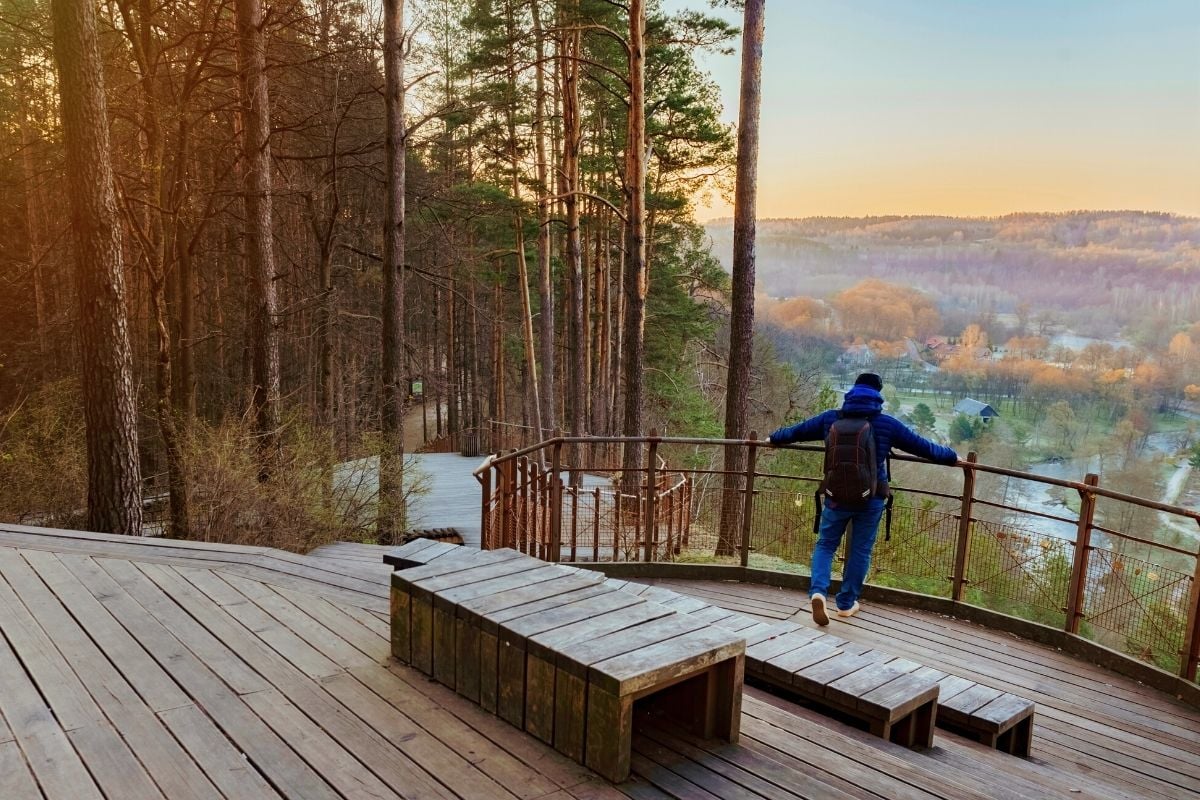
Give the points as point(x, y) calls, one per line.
point(414, 432)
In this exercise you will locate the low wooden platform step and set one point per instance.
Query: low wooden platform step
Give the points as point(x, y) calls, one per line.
point(881, 689)
point(1001, 720)
point(561, 653)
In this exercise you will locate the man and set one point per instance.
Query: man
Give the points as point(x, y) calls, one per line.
point(863, 400)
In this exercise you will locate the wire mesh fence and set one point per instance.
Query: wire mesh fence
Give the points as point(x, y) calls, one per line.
point(1017, 553)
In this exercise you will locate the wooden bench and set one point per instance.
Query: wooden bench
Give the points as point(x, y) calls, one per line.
point(790, 656)
point(895, 697)
point(554, 650)
point(421, 551)
point(998, 719)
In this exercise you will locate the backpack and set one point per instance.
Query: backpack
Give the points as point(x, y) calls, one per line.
point(851, 469)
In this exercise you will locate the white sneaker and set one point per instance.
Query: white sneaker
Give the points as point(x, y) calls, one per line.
point(818, 609)
point(851, 611)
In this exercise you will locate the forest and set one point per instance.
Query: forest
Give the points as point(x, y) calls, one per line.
point(249, 238)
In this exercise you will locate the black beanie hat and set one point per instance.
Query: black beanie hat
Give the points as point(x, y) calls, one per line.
point(869, 379)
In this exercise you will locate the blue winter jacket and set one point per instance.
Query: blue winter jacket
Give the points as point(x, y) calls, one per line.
point(863, 401)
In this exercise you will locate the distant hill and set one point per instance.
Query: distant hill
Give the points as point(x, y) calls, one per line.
point(1097, 271)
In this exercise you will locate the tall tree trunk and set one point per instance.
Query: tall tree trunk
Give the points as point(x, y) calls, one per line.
point(741, 316)
point(533, 390)
point(545, 291)
point(392, 510)
point(106, 369)
point(34, 222)
point(572, 139)
point(256, 145)
point(635, 268)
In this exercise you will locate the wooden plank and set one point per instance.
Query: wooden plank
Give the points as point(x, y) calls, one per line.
point(952, 686)
point(812, 679)
point(776, 646)
point(1003, 712)
point(658, 594)
point(684, 604)
point(972, 699)
point(340, 734)
point(489, 612)
point(624, 620)
point(280, 623)
point(477, 573)
point(407, 577)
point(765, 777)
point(516, 762)
point(306, 738)
point(215, 755)
point(15, 779)
point(768, 630)
point(648, 667)
point(51, 758)
point(871, 677)
point(147, 739)
point(780, 669)
point(738, 622)
point(516, 630)
point(107, 756)
point(712, 614)
point(899, 696)
point(270, 754)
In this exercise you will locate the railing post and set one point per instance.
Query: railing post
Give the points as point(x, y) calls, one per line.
point(485, 516)
point(1083, 545)
point(508, 491)
point(556, 498)
point(687, 509)
point(1191, 642)
point(748, 502)
point(962, 548)
point(651, 495)
point(596, 525)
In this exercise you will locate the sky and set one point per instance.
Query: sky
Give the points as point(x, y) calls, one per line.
point(972, 107)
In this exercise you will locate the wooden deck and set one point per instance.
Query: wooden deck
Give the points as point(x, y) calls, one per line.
point(159, 669)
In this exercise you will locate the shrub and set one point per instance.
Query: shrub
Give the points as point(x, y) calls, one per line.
point(43, 459)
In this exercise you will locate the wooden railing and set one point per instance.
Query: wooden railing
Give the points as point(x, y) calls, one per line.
point(1109, 568)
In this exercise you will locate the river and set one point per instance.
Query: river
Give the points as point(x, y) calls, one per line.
point(1045, 499)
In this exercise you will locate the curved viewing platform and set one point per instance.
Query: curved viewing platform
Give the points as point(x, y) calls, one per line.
point(156, 668)
point(1085, 567)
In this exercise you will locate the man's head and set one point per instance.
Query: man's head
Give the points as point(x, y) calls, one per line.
point(869, 379)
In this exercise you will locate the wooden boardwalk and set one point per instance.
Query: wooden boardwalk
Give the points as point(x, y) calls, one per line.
point(158, 669)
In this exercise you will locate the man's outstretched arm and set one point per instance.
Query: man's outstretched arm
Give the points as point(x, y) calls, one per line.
point(810, 430)
point(905, 439)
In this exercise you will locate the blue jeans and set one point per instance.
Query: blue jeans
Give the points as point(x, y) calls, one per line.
point(864, 527)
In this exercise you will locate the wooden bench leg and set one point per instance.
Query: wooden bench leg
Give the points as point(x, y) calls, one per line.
point(570, 705)
point(725, 699)
point(510, 681)
point(443, 647)
point(1017, 740)
point(924, 721)
point(488, 670)
point(609, 734)
point(539, 698)
point(466, 662)
point(401, 630)
point(881, 728)
point(421, 614)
